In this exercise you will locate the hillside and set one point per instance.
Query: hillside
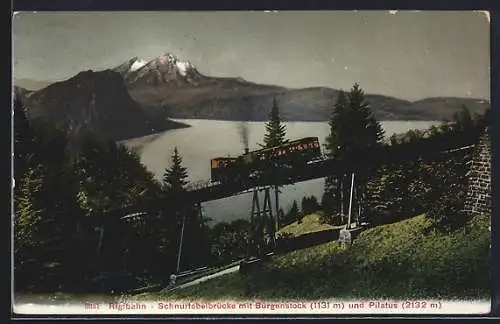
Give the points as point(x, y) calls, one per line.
point(309, 224)
point(440, 108)
point(95, 103)
point(399, 260)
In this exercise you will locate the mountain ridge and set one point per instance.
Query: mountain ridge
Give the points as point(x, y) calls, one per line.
point(194, 95)
point(94, 103)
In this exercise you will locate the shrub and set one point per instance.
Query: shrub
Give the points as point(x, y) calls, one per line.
point(447, 212)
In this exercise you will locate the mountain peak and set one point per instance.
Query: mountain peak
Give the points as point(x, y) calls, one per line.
point(183, 67)
point(166, 68)
point(137, 63)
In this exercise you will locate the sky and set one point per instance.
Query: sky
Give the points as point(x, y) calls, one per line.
point(406, 54)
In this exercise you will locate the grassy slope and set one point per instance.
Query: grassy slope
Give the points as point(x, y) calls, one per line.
point(392, 261)
point(310, 223)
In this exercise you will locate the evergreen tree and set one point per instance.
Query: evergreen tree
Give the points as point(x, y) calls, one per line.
point(352, 128)
point(111, 177)
point(175, 177)
point(364, 130)
point(31, 209)
point(275, 128)
point(275, 136)
point(338, 135)
point(294, 213)
point(184, 219)
point(334, 144)
point(47, 214)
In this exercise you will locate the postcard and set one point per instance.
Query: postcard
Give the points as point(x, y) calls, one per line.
point(252, 163)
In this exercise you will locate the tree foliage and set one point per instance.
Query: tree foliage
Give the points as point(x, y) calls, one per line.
point(352, 124)
point(230, 241)
point(309, 205)
point(275, 127)
point(275, 136)
point(60, 199)
point(292, 215)
point(352, 127)
point(175, 177)
point(435, 187)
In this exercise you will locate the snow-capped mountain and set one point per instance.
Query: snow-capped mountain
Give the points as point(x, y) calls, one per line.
point(177, 88)
point(166, 68)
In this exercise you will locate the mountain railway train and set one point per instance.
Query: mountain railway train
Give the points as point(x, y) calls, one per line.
point(289, 155)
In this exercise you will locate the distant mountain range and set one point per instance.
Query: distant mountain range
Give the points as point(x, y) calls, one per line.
point(180, 89)
point(137, 97)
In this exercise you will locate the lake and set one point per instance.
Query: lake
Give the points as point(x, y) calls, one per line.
point(206, 139)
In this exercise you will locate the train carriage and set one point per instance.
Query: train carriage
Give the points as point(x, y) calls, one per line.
point(252, 164)
point(221, 168)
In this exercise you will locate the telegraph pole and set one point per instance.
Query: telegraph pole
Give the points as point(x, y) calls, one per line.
point(276, 196)
point(180, 243)
point(350, 202)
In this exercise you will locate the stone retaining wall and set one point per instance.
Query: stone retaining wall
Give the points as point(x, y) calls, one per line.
point(478, 200)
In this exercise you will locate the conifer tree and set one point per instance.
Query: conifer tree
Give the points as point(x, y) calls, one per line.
point(293, 213)
point(275, 127)
point(334, 144)
point(275, 136)
point(352, 127)
point(175, 177)
point(174, 182)
point(338, 135)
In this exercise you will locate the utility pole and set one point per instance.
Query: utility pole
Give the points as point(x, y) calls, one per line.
point(350, 202)
point(276, 196)
point(180, 243)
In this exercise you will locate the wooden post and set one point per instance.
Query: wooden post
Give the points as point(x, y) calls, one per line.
point(350, 202)
point(180, 243)
point(276, 196)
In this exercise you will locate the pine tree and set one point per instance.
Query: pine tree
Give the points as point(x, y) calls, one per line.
point(335, 141)
point(175, 177)
point(275, 128)
point(30, 210)
point(365, 130)
point(275, 136)
point(352, 128)
point(180, 217)
point(338, 133)
point(293, 213)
